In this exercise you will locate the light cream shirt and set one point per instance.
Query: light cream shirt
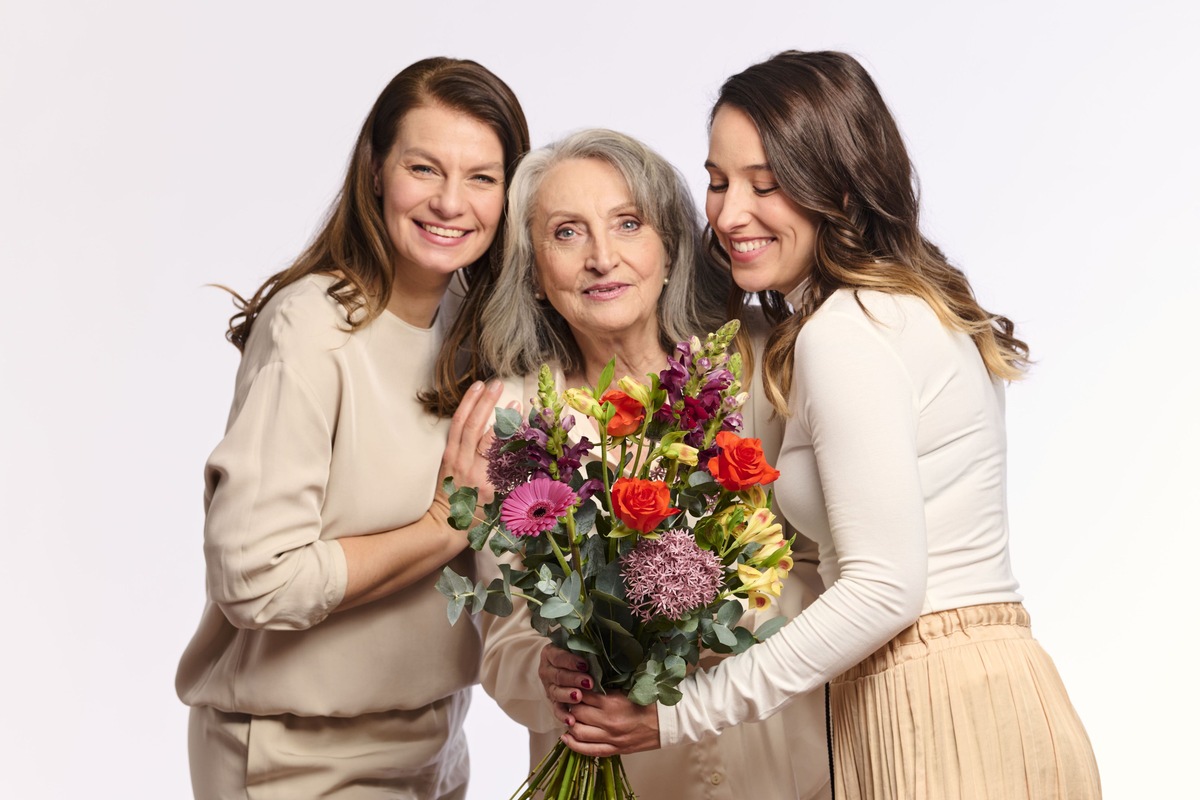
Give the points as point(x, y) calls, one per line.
point(783, 758)
point(325, 439)
point(894, 462)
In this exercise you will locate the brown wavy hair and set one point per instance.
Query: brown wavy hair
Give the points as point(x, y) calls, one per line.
point(836, 151)
point(354, 244)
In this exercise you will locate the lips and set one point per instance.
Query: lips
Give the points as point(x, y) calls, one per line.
point(746, 246)
point(445, 233)
point(604, 291)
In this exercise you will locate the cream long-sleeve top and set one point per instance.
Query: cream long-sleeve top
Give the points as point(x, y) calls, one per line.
point(325, 439)
point(782, 758)
point(894, 462)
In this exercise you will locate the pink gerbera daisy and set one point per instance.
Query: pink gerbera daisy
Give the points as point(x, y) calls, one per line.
point(534, 507)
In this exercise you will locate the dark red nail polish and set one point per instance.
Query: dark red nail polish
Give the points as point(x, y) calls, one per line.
point(574, 697)
point(587, 683)
point(581, 666)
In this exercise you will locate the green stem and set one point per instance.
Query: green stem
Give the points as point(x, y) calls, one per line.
point(558, 553)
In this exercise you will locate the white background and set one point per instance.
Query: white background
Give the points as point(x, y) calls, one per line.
point(147, 149)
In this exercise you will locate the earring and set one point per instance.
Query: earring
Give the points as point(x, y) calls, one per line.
point(666, 280)
point(538, 294)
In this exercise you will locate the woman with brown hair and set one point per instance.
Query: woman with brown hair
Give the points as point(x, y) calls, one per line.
point(324, 665)
point(891, 377)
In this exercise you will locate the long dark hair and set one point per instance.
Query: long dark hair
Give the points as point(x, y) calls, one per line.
point(354, 243)
point(836, 151)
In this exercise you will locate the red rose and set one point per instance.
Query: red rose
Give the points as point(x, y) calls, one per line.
point(629, 416)
point(741, 463)
point(641, 505)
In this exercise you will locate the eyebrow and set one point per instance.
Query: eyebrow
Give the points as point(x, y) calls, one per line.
point(747, 168)
point(495, 166)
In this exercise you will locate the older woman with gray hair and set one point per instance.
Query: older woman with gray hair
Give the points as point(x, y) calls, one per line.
point(603, 260)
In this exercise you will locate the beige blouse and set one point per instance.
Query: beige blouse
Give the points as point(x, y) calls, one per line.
point(782, 758)
point(325, 439)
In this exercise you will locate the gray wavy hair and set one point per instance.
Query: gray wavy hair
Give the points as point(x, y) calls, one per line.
point(521, 333)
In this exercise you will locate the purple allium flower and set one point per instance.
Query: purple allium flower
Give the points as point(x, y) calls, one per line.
point(506, 470)
point(535, 507)
point(670, 576)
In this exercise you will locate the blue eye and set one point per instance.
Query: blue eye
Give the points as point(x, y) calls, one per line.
point(421, 169)
point(630, 224)
point(564, 233)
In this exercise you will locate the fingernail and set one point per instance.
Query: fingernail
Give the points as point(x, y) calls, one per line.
point(581, 666)
point(587, 683)
point(494, 386)
point(477, 386)
point(575, 696)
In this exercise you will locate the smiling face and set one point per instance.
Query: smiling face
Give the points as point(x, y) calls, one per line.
point(770, 240)
point(442, 192)
point(598, 262)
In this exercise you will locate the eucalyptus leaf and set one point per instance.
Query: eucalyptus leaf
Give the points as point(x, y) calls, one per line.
point(724, 635)
point(508, 421)
point(669, 695)
point(556, 607)
point(609, 580)
point(644, 691)
point(455, 606)
point(769, 628)
point(744, 639)
point(579, 644)
point(477, 536)
point(729, 612)
point(478, 597)
point(498, 605)
point(462, 507)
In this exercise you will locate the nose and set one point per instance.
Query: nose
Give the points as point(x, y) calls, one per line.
point(448, 201)
point(732, 210)
point(603, 256)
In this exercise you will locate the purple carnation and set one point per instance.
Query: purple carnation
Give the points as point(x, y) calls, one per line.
point(535, 507)
point(670, 576)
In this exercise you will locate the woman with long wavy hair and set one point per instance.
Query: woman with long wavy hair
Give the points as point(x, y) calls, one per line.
point(323, 665)
point(891, 377)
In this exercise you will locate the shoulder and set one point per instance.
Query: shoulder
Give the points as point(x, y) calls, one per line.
point(300, 321)
point(885, 315)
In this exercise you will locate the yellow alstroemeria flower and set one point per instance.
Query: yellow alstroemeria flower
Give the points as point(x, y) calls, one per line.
point(755, 496)
point(638, 391)
point(758, 600)
point(582, 401)
point(760, 527)
point(684, 454)
point(766, 582)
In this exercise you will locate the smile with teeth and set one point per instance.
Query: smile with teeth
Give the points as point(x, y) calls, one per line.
point(750, 245)
point(448, 233)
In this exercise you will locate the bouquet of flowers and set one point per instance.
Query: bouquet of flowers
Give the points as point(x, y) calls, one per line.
point(640, 558)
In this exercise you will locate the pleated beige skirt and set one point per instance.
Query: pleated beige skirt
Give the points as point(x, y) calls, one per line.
point(962, 704)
